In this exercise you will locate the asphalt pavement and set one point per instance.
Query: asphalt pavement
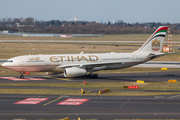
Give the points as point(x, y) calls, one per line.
point(16, 106)
point(121, 77)
point(89, 107)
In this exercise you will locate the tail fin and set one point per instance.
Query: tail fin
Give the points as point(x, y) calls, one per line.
point(155, 41)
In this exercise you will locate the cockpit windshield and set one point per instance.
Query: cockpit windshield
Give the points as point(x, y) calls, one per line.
point(10, 61)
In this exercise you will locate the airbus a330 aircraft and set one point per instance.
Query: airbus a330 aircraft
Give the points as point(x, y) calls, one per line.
point(76, 65)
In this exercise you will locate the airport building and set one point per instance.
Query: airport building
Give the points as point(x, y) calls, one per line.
point(7, 31)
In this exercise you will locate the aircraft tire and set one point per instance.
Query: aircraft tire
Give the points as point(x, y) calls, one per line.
point(95, 76)
point(22, 76)
point(89, 76)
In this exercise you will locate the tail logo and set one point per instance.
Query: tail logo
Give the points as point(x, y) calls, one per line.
point(155, 45)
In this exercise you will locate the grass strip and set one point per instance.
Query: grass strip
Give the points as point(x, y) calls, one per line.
point(78, 92)
point(164, 85)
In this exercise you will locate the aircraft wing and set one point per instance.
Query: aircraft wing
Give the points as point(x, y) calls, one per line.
point(99, 64)
point(92, 64)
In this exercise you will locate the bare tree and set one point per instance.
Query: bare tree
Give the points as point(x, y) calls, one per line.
point(9, 20)
point(17, 20)
point(29, 21)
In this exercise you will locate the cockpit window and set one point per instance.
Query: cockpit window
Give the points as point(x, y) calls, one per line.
point(9, 61)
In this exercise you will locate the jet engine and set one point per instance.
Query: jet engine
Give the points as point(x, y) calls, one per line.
point(74, 72)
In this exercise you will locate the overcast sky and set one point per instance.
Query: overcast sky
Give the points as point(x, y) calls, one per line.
point(130, 11)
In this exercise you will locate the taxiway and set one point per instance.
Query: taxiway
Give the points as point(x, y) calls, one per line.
point(16, 106)
point(122, 77)
point(89, 107)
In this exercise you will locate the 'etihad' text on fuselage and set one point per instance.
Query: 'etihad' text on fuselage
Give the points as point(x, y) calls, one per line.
point(73, 58)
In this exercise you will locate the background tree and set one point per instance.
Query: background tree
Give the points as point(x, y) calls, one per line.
point(29, 21)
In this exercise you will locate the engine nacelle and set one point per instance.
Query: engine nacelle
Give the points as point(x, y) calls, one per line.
point(74, 72)
point(52, 73)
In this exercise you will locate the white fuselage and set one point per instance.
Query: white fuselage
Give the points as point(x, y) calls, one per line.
point(49, 63)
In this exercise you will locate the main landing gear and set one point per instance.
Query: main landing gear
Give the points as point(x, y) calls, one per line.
point(93, 76)
point(21, 76)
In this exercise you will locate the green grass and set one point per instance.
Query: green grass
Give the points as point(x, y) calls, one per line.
point(78, 92)
point(17, 49)
point(93, 85)
point(40, 91)
point(128, 37)
point(131, 37)
point(103, 85)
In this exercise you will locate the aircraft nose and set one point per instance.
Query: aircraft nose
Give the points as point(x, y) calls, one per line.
point(3, 62)
point(3, 65)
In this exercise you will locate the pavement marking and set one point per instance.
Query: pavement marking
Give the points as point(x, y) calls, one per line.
point(75, 100)
point(31, 101)
point(71, 101)
point(125, 103)
point(28, 102)
point(52, 101)
point(64, 79)
point(37, 99)
point(174, 96)
point(59, 78)
point(20, 79)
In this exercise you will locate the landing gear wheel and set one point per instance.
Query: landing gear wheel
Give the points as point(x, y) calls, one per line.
point(22, 76)
point(89, 76)
point(92, 76)
point(95, 76)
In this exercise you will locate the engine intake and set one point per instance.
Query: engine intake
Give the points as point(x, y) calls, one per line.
point(74, 72)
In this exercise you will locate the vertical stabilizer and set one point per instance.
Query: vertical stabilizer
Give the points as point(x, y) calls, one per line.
point(155, 41)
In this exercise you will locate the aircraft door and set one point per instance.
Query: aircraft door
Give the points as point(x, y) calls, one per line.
point(21, 61)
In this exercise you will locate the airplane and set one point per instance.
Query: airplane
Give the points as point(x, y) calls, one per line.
point(77, 65)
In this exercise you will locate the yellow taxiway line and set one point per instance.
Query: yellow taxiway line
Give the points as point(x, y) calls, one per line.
point(52, 101)
point(58, 78)
point(64, 79)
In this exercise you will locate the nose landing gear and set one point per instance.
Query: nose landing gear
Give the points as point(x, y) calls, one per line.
point(21, 76)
